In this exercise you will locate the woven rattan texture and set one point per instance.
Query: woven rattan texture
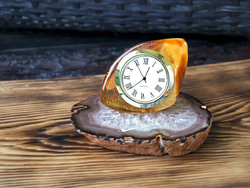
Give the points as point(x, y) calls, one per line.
point(162, 16)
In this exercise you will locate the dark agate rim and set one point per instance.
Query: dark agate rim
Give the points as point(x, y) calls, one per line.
point(81, 119)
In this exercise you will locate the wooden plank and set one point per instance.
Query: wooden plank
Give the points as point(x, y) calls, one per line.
point(40, 148)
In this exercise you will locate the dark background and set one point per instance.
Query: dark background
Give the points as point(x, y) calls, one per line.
point(58, 38)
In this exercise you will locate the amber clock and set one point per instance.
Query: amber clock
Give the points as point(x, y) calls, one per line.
point(147, 77)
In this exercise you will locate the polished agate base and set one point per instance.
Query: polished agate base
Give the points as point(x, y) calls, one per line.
point(181, 117)
point(185, 117)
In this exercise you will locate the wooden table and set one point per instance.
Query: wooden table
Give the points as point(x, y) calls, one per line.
point(40, 148)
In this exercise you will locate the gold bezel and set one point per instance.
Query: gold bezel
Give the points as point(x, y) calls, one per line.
point(119, 82)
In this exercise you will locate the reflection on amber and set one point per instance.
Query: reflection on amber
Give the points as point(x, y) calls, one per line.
point(174, 50)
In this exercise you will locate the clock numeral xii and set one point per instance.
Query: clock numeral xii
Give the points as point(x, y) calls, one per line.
point(145, 61)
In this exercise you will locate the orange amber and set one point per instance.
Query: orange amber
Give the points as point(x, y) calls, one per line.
point(174, 50)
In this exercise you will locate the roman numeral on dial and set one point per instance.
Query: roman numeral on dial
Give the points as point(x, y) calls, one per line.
point(142, 96)
point(154, 64)
point(130, 68)
point(134, 93)
point(159, 71)
point(158, 88)
point(145, 61)
point(137, 62)
point(152, 95)
point(128, 86)
point(161, 80)
point(127, 77)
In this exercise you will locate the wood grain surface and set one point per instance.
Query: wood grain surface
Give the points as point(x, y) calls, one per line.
point(40, 148)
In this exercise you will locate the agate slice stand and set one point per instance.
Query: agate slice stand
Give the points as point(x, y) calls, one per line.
point(175, 131)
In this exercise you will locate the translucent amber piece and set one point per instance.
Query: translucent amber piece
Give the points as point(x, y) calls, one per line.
point(174, 50)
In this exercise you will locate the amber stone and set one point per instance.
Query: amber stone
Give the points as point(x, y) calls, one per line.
point(174, 50)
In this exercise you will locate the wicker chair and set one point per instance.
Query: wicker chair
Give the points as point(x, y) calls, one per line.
point(214, 17)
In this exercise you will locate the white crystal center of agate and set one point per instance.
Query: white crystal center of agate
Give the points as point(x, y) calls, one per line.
point(179, 117)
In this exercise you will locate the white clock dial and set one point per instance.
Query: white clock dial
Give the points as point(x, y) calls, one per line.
point(144, 79)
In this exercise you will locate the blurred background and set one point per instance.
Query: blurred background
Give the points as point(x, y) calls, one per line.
point(64, 38)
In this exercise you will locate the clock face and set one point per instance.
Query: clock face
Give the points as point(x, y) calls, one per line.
point(144, 79)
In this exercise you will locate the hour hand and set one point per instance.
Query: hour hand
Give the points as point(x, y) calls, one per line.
point(146, 74)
